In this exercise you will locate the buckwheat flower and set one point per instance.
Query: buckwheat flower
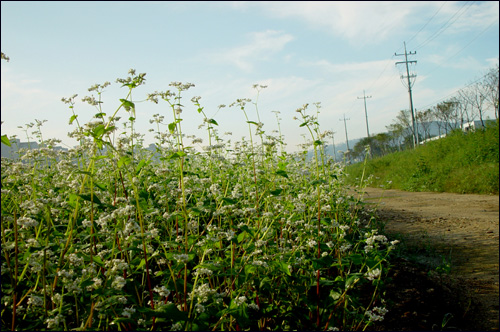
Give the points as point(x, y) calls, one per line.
point(181, 258)
point(56, 298)
point(176, 327)
point(118, 283)
point(122, 300)
point(311, 243)
point(373, 274)
point(345, 247)
point(86, 223)
point(27, 222)
point(54, 322)
point(240, 300)
point(199, 308)
point(260, 243)
point(127, 312)
point(230, 235)
point(377, 314)
point(326, 208)
point(162, 291)
point(36, 301)
point(253, 306)
point(259, 263)
point(344, 227)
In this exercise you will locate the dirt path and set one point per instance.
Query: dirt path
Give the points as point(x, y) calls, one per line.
point(462, 229)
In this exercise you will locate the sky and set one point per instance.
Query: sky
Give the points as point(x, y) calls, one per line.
point(305, 52)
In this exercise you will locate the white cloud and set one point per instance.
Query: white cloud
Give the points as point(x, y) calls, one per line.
point(262, 46)
point(369, 22)
point(358, 22)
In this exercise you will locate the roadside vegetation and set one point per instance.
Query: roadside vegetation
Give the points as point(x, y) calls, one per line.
point(230, 236)
point(466, 163)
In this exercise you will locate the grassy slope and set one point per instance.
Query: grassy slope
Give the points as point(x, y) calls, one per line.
point(460, 163)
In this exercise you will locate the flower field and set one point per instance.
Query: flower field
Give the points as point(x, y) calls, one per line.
point(237, 236)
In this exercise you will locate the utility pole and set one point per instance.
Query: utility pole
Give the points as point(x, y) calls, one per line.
point(409, 86)
point(346, 139)
point(333, 144)
point(366, 113)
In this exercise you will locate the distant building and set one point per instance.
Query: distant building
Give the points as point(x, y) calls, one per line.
point(476, 124)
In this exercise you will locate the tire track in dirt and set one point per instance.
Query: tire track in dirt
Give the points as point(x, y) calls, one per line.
point(463, 228)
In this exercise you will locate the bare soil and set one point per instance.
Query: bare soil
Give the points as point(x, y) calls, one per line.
point(446, 275)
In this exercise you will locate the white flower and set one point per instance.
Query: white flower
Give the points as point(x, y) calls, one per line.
point(253, 306)
point(199, 308)
point(373, 274)
point(240, 300)
point(118, 283)
point(182, 258)
point(176, 327)
point(377, 314)
point(163, 291)
point(127, 312)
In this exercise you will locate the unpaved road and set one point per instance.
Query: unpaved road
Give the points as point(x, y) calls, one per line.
point(459, 228)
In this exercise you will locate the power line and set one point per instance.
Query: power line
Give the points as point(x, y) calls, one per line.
point(467, 45)
point(451, 94)
point(427, 22)
point(445, 25)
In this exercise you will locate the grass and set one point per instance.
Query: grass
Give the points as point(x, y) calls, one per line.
point(234, 236)
point(459, 163)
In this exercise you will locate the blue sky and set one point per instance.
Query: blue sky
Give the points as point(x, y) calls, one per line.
point(304, 51)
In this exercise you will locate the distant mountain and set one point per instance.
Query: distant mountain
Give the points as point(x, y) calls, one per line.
point(16, 144)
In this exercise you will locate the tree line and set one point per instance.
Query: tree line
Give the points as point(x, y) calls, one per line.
point(470, 103)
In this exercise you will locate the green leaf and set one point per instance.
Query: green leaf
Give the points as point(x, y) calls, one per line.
point(228, 200)
point(241, 236)
point(351, 280)
point(98, 131)
point(100, 186)
point(335, 295)
point(357, 259)
point(170, 311)
point(127, 104)
point(171, 127)
point(212, 121)
point(5, 140)
point(91, 198)
point(142, 163)
point(284, 268)
point(276, 192)
point(98, 261)
point(141, 264)
point(253, 122)
point(73, 118)
point(125, 160)
point(304, 124)
point(250, 269)
point(174, 155)
point(282, 173)
point(318, 142)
